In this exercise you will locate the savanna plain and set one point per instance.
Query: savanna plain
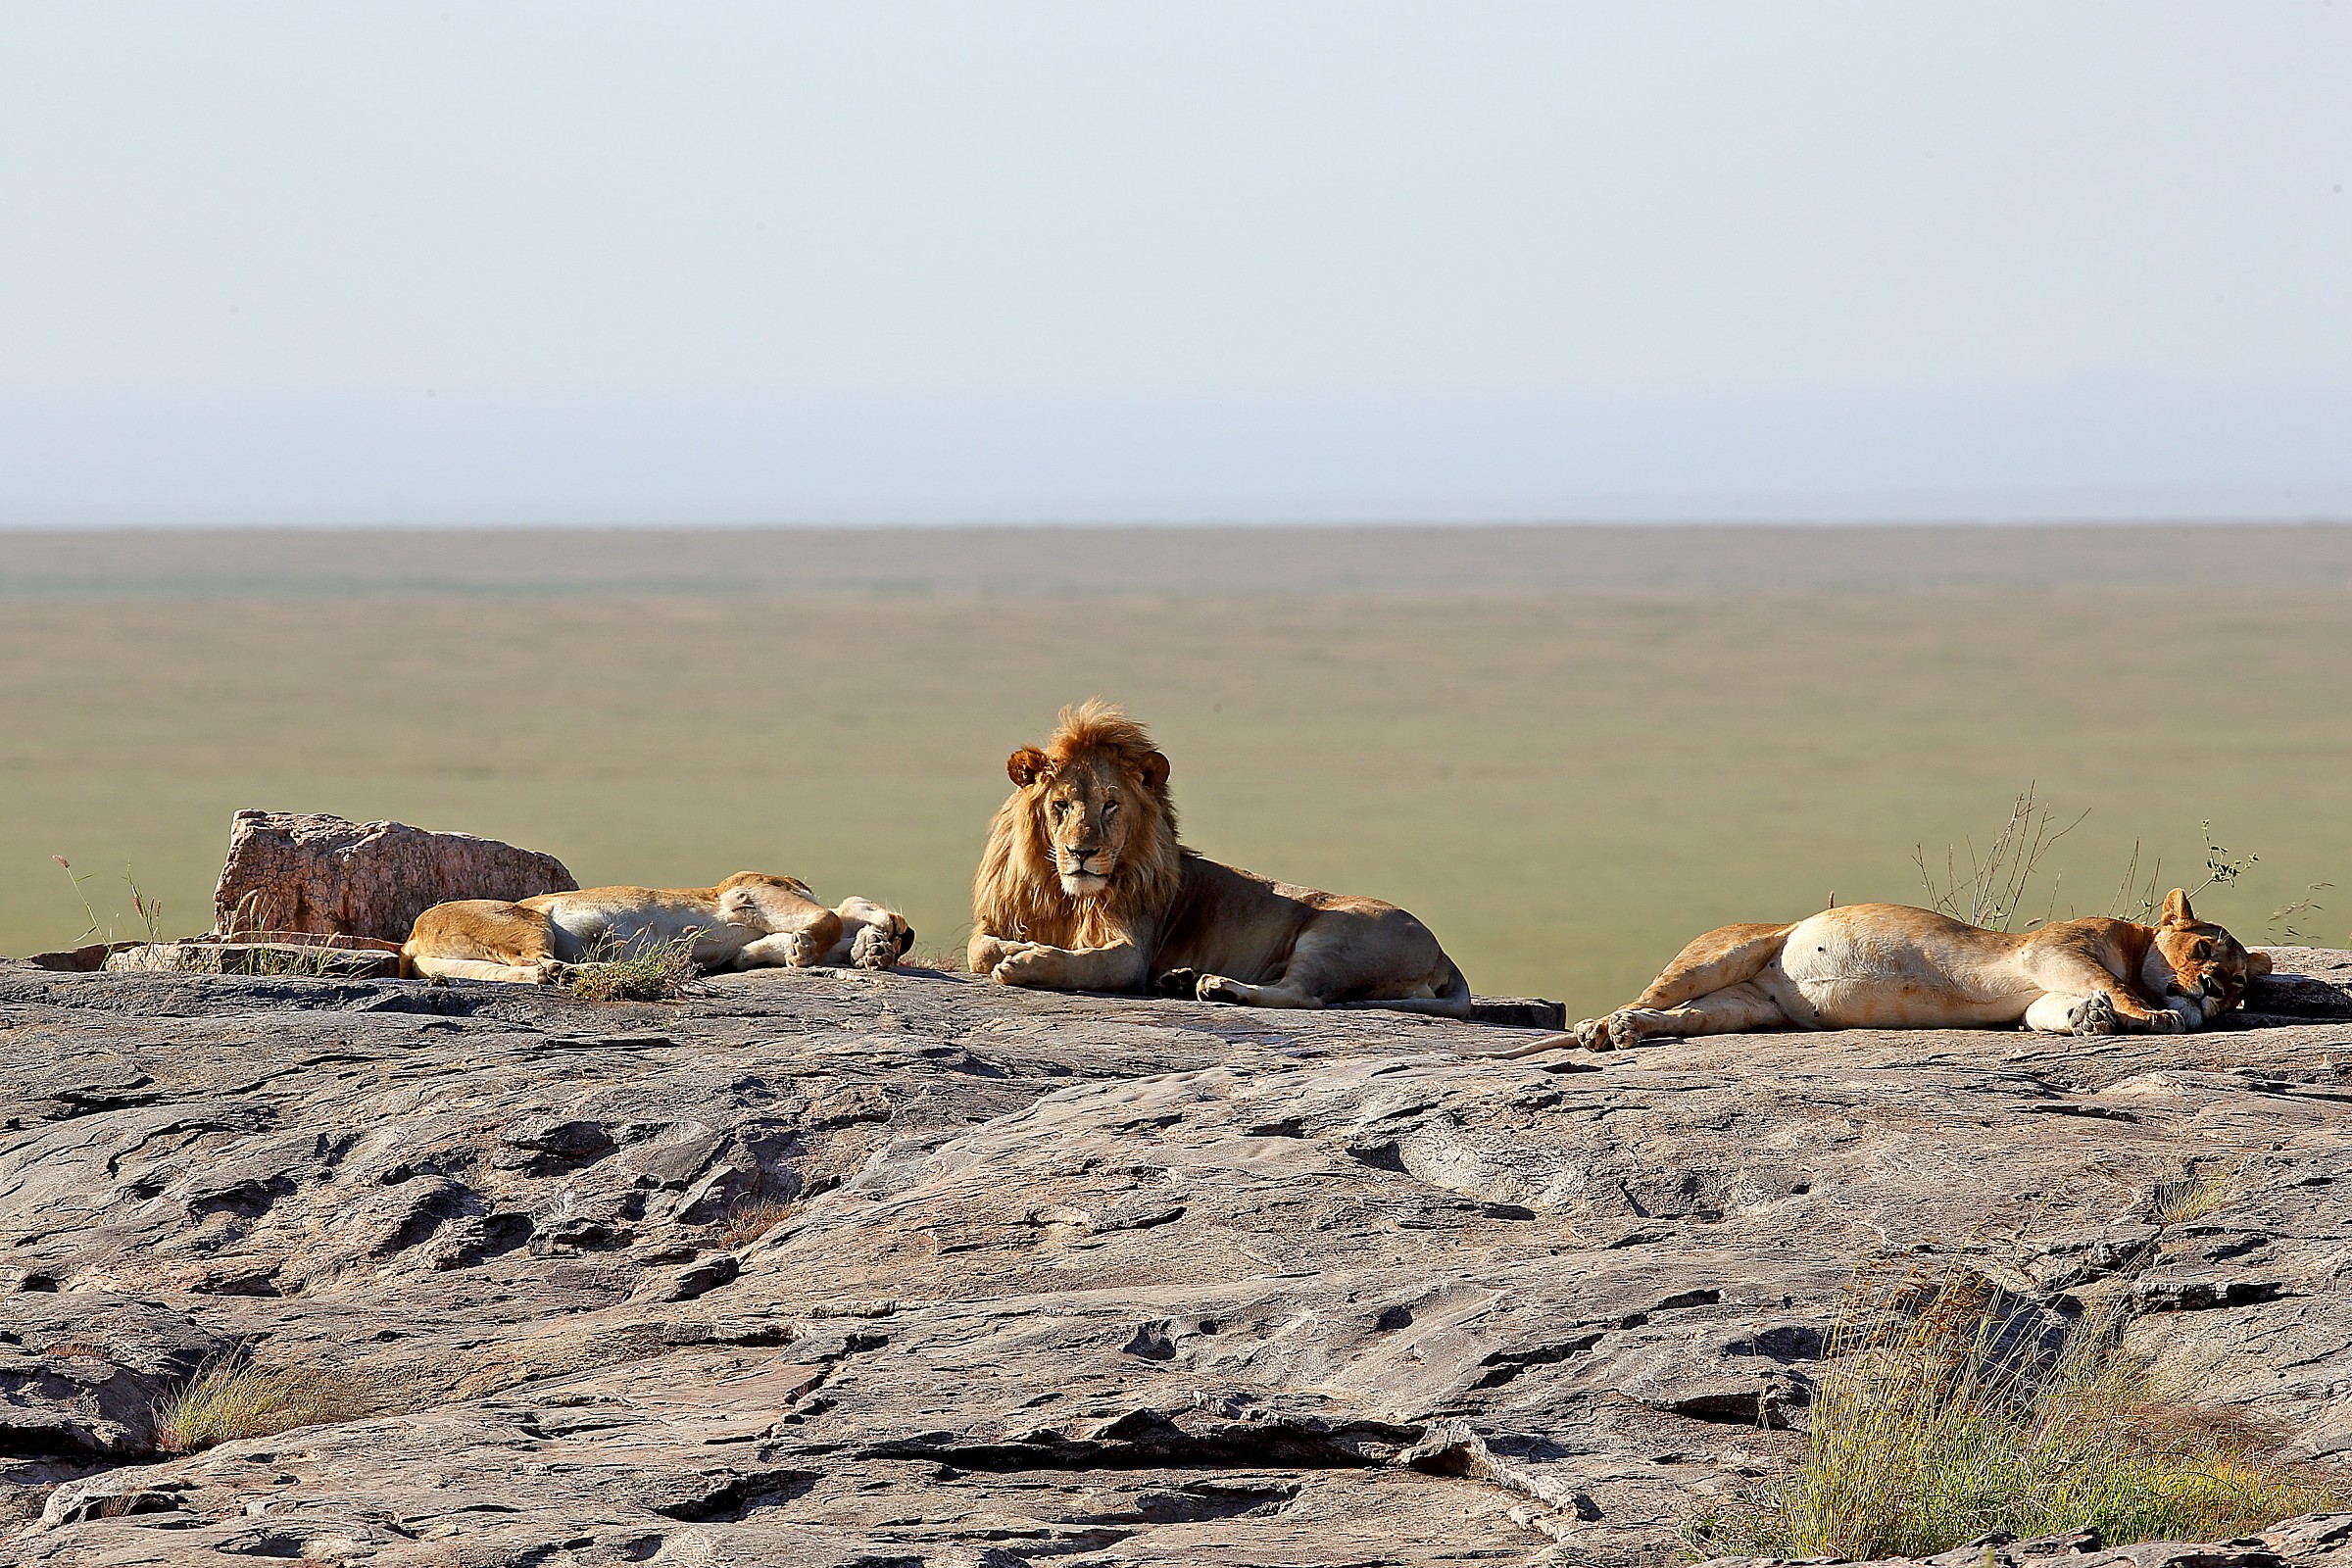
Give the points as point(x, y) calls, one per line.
point(1568, 749)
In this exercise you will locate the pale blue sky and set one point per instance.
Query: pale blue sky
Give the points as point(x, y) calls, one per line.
point(524, 262)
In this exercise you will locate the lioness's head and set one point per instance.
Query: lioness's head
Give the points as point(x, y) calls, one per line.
point(861, 911)
point(1094, 790)
point(2207, 965)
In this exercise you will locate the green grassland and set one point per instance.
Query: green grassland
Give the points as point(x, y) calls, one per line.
point(1568, 750)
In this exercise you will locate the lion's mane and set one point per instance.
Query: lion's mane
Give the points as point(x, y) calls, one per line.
point(1018, 893)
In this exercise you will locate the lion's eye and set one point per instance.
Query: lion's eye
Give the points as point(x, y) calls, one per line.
point(2200, 949)
point(1109, 806)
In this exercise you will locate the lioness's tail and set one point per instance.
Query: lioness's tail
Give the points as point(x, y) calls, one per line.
point(1723, 956)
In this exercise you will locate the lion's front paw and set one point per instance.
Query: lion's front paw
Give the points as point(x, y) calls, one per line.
point(1592, 1034)
point(2094, 1014)
point(874, 949)
point(1024, 963)
point(550, 972)
point(1216, 988)
point(2165, 1021)
point(1183, 983)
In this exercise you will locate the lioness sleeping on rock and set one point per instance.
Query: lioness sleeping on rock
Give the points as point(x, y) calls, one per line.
point(1084, 887)
point(1889, 966)
point(748, 922)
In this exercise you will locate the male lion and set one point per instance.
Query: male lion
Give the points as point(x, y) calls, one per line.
point(1889, 966)
point(1084, 887)
point(748, 921)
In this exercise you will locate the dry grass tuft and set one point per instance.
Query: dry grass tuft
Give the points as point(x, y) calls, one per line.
point(752, 1218)
point(1943, 1416)
point(2196, 1195)
point(658, 972)
point(233, 1396)
point(931, 955)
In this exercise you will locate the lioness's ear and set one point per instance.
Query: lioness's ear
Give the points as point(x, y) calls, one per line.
point(2175, 908)
point(2257, 962)
point(1025, 767)
point(1154, 767)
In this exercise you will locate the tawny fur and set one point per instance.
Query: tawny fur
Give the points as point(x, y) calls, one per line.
point(1891, 966)
point(750, 920)
point(1085, 886)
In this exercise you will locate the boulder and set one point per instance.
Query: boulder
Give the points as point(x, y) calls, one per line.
point(306, 872)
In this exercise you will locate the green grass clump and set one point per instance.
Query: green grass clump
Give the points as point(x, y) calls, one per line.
point(1939, 1421)
point(647, 972)
point(233, 1396)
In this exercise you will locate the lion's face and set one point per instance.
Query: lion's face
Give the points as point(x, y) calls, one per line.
point(1088, 809)
point(2208, 967)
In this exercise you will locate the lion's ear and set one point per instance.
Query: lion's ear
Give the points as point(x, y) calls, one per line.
point(2176, 910)
point(1154, 767)
point(2257, 962)
point(1026, 766)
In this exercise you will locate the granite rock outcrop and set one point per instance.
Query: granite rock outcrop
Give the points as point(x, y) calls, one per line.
point(828, 1268)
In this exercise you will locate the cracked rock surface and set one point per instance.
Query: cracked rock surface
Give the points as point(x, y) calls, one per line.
point(838, 1268)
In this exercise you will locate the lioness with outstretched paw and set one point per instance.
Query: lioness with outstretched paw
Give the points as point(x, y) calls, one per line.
point(1889, 966)
point(748, 922)
point(1084, 887)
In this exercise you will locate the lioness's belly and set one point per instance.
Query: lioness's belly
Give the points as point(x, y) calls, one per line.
point(1859, 974)
point(588, 931)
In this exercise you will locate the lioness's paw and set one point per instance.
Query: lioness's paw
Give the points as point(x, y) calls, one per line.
point(550, 972)
point(2094, 1014)
point(2165, 1021)
point(1621, 1029)
point(874, 949)
point(1592, 1034)
point(1183, 983)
